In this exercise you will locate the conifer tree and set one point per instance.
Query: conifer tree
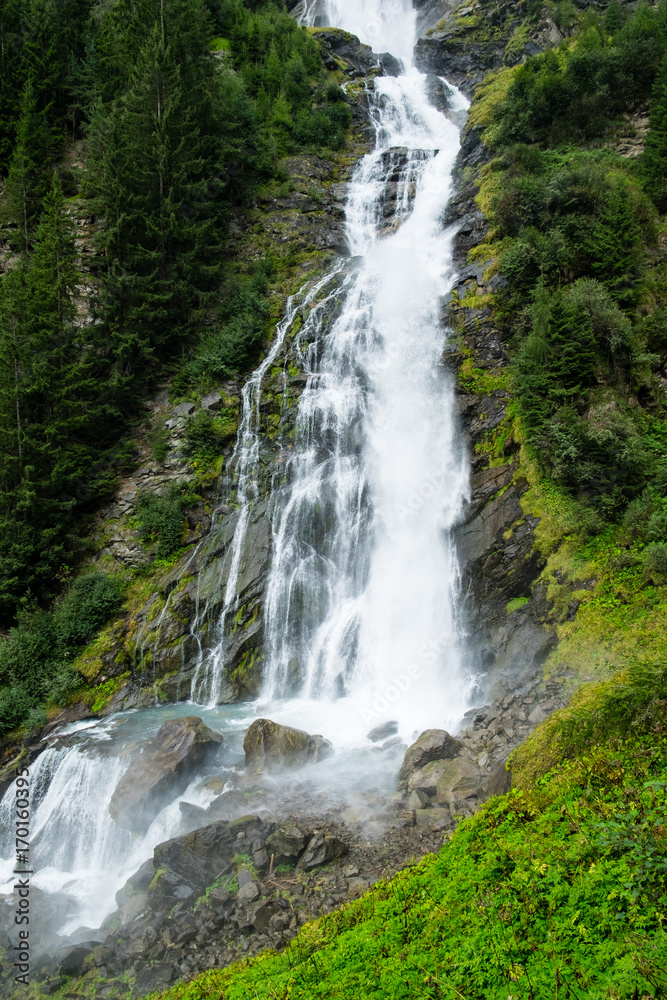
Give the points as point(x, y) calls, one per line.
point(159, 152)
point(654, 158)
point(25, 186)
point(10, 76)
point(48, 389)
point(616, 241)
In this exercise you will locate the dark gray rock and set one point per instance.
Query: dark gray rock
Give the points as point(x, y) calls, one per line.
point(164, 768)
point(343, 51)
point(70, 961)
point(391, 66)
point(287, 843)
point(322, 848)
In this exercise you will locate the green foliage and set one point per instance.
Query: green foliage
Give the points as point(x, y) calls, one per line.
point(53, 414)
point(35, 658)
point(577, 91)
point(655, 151)
point(178, 131)
point(206, 435)
point(233, 344)
point(584, 439)
point(25, 186)
point(576, 230)
point(161, 519)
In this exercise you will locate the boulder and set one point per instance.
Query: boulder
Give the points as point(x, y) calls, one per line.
point(213, 401)
point(269, 746)
point(418, 799)
point(185, 866)
point(162, 771)
point(498, 782)
point(438, 93)
point(70, 961)
point(433, 744)
point(248, 893)
point(383, 732)
point(286, 844)
point(184, 410)
point(459, 785)
point(321, 848)
point(391, 66)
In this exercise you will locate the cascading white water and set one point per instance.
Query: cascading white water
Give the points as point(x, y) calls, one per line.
point(361, 609)
point(245, 461)
point(361, 620)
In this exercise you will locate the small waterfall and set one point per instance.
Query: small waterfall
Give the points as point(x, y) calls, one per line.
point(75, 846)
point(245, 461)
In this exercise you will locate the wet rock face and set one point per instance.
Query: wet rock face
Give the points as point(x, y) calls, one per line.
point(270, 747)
point(166, 766)
point(464, 43)
point(342, 50)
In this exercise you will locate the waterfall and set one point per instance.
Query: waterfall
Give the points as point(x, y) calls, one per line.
point(363, 593)
point(311, 303)
point(385, 25)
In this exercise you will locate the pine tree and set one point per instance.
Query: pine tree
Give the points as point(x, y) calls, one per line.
point(25, 187)
point(615, 245)
point(160, 156)
point(10, 76)
point(49, 384)
point(654, 158)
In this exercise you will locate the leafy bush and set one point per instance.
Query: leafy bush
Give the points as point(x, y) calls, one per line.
point(88, 605)
point(161, 519)
point(655, 561)
point(36, 657)
point(206, 435)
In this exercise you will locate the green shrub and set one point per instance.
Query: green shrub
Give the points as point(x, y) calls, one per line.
point(161, 519)
point(36, 657)
point(88, 605)
point(655, 560)
point(206, 435)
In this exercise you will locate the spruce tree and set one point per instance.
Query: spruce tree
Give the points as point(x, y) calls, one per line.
point(654, 158)
point(160, 157)
point(10, 77)
point(25, 186)
point(48, 411)
point(615, 253)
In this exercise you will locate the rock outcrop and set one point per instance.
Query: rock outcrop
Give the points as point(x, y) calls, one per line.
point(268, 746)
point(164, 768)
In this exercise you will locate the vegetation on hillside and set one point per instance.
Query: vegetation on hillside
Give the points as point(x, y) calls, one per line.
point(180, 111)
point(576, 229)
